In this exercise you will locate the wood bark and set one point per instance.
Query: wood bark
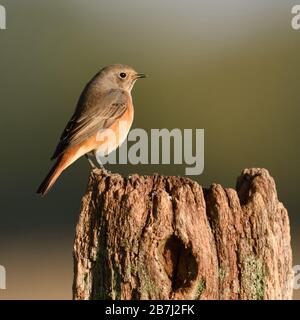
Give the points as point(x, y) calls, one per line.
point(158, 237)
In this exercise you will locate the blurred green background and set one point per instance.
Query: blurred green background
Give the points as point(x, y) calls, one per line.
point(230, 67)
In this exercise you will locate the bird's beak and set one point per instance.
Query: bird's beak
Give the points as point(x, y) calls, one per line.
point(140, 76)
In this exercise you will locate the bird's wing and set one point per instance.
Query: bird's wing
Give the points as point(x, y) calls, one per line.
point(92, 114)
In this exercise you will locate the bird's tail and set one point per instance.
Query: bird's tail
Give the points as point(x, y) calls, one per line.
point(51, 177)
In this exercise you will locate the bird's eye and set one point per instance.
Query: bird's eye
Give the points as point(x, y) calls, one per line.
point(123, 75)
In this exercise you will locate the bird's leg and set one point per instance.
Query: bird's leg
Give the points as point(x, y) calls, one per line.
point(97, 156)
point(102, 167)
point(88, 156)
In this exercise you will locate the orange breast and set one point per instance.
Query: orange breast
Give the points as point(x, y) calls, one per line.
point(110, 139)
point(104, 141)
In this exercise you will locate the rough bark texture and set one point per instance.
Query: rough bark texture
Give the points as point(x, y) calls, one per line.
point(156, 237)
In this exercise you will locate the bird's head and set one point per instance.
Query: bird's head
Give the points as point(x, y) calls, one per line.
point(118, 76)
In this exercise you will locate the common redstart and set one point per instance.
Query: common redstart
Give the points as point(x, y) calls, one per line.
point(105, 101)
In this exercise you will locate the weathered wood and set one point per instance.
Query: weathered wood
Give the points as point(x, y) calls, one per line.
point(156, 237)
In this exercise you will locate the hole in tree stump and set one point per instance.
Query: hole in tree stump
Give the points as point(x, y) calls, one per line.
point(180, 264)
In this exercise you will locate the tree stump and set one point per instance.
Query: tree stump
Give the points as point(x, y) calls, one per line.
point(157, 237)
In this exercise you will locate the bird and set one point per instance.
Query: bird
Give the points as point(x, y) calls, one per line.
point(104, 102)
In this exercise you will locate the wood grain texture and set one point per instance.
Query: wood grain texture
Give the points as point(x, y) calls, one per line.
point(156, 237)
